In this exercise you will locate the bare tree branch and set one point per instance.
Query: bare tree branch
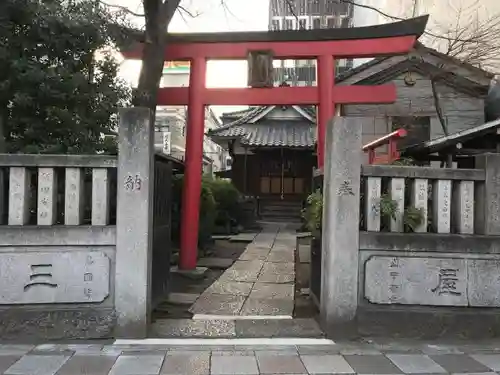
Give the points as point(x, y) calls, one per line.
point(122, 8)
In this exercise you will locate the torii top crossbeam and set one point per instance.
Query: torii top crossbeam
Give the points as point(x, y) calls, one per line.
point(324, 45)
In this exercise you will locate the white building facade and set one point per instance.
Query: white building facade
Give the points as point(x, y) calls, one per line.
point(171, 122)
point(303, 15)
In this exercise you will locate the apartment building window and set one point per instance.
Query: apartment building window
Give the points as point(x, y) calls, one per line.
point(331, 22)
point(314, 6)
point(276, 24)
point(345, 21)
point(289, 24)
point(316, 23)
point(302, 24)
point(330, 6)
point(302, 7)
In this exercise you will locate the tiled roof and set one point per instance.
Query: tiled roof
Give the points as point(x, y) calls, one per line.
point(239, 113)
point(277, 134)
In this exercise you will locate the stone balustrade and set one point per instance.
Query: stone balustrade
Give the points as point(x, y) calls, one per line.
point(445, 196)
point(30, 185)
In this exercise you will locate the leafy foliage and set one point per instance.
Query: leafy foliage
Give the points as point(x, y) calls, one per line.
point(219, 199)
point(312, 214)
point(228, 201)
point(388, 207)
point(313, 211)
point(412, 218)
point(56, 94)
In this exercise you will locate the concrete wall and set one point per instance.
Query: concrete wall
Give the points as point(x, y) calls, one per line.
point(57, 252)
point(51, 315)
point(440, 278)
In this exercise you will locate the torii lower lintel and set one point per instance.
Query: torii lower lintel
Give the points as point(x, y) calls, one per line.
point(377, 94)
point(323, 45)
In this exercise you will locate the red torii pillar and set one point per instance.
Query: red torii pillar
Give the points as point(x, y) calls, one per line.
point(323, 45)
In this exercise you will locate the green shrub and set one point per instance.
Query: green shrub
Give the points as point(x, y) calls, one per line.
point(312, 213)
point(228, 201)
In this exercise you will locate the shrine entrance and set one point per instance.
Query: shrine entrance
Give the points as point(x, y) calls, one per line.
point(260, 48)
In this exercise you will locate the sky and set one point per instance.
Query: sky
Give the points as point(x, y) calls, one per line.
point(235, 15)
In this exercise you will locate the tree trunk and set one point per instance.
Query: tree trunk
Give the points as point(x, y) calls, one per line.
point(158, 15)
point(150, 76)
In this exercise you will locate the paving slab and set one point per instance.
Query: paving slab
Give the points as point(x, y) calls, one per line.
point(248, 276)
point(371, 364)
point(137, 365)
point(456, 363)
point(229, 287)
point(37, 365)
point(264, 272)
point(260, 358)
point(282, 268)
point(255, 254)
point(247, 265)
point(275, 278)
point(326, 364)
point(415, 364)
point(7, 361)
point(272, 307)
point(492, 361)
point(278, 328)
point(281, 256)
point(192, 363)
point(15, 349)
point(87, 365)
point(218, 304)
point(270, 363)
point(193, 328)
point(270, 291)
point(234, 365)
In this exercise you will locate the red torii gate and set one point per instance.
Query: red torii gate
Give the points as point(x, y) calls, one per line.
point(323, 45)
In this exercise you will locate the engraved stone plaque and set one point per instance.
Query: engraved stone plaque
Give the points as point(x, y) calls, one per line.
point(484, 282)
point(416, 281)
point(54, 277)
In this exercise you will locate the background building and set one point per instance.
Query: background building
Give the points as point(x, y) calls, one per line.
point(170, 127)
point(307, 14)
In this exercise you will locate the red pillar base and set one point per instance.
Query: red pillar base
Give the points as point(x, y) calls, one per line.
point(193, 164)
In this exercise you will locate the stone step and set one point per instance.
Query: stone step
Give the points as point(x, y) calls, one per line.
point(224, 328)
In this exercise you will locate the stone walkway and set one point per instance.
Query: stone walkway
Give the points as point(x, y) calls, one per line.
point(389, 358)
point(260, 284)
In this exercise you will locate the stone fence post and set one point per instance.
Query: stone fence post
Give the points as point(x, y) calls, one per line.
point(487, 196)
point(340, 229)
point(134, 222)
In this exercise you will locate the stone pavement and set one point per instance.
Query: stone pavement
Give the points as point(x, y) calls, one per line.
point(342, 358)
point(259, 284)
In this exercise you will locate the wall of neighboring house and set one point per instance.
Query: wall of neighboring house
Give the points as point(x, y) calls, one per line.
point(460, 110)
point(173, 120)
point(415, 110)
